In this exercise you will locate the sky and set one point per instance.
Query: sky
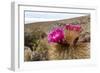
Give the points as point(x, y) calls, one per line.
point(31, 16)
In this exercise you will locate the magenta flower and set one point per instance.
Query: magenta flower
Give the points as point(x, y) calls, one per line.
point(56, 35)
point(73, 27)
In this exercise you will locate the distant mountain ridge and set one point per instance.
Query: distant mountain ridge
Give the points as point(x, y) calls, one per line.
point(45, 26)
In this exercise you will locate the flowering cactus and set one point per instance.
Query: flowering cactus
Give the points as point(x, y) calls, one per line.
point(73, 31)
point(56, 35)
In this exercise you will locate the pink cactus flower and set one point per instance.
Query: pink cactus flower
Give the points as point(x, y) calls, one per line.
point(56, 35)
point(74, 27)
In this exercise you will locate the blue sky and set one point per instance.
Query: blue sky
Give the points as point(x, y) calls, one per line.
point(31, 16)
